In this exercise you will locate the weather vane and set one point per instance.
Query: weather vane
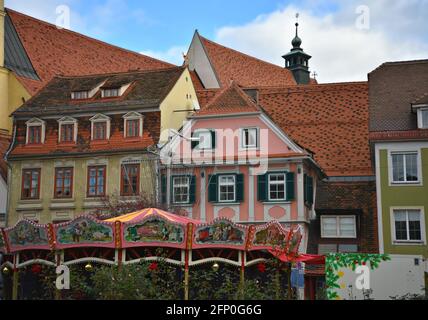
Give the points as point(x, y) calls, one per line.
point(297, 17)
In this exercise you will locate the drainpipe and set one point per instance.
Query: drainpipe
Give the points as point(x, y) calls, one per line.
point(9, 175)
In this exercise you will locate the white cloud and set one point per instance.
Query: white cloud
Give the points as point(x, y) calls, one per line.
point(172, 55)
point(341, 51)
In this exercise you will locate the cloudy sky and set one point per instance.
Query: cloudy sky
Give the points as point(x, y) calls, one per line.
point(347, 38)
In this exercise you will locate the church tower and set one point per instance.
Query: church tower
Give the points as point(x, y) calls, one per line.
point(297, 61)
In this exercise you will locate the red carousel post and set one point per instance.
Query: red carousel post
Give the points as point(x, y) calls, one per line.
point(186, 260)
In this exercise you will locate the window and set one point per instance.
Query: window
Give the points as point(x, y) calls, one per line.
point(338, 227)
point(423, 118)
point(130, 182)
point(30, 184)
point(67, 130)
point(100, 127)
point(63, 182)
point(35, 135)
point(96, 181)
point(405, 167)
point(207, 139)
point(109, 93)
point(35, 131)
point(100, 131)
point(133, 125)
point(227, 188)
point(67, 133)
point(132, 128)
point(408, 225)
point(250, 138)
point(276, 186)
point(76, 95)
point(181, 189)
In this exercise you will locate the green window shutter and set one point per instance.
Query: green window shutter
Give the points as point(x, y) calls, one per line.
point(305, 187)
point(262, 188)
point(290, 186)
point(212, 188)
point(163, 189)
point(213, 139)
point(171, 188)
point(192, 191)
point(240, 188)
point(310, 190)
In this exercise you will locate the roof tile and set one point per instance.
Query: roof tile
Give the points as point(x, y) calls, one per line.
point(247, 71)
point(54, 51)
point(329, 119)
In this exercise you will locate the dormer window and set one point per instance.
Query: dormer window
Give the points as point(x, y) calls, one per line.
point(79, 95)
point(67, 130)
point(100, 127)
point(133, 125)
point(110, 93)
point(35, 131)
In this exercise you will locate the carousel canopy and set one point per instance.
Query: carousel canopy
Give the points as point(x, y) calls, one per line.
point(143, 214)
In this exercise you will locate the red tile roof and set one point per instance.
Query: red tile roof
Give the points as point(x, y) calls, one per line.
point(4, 145)
point(205, 96)
point(54, 51)
point(247, 71)
point(197, 83)
point(329, 119)
point(230, 100)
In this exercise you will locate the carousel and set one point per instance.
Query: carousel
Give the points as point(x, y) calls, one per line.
point(134, 237)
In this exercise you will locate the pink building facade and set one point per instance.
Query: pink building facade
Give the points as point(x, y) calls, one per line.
point(231, 161)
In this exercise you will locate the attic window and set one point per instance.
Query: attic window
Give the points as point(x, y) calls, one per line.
point(35, 131)
point(109, 93)
point(78, 95)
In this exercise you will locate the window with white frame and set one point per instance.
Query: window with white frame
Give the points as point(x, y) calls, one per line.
point(181, 189)
point(227, 188)
point(67, 129)
point(79, 95)
point(100, 127)
point(249, 138)
point(423, 118)
point(338, 227)
point(35, 131)
point(133, 125)
point(407, 225)
point(405, 167)
point(276, 186)
point(110, 92)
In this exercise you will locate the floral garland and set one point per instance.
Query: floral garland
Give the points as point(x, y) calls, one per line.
point(335, 261)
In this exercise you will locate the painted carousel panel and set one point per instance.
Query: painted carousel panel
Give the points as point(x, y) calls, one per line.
point(270, 236)
point(84, 231)
point(27, 235)
point(154, 230)
point(221, 233)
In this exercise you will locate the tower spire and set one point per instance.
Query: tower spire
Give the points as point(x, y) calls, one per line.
point(297, 61)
